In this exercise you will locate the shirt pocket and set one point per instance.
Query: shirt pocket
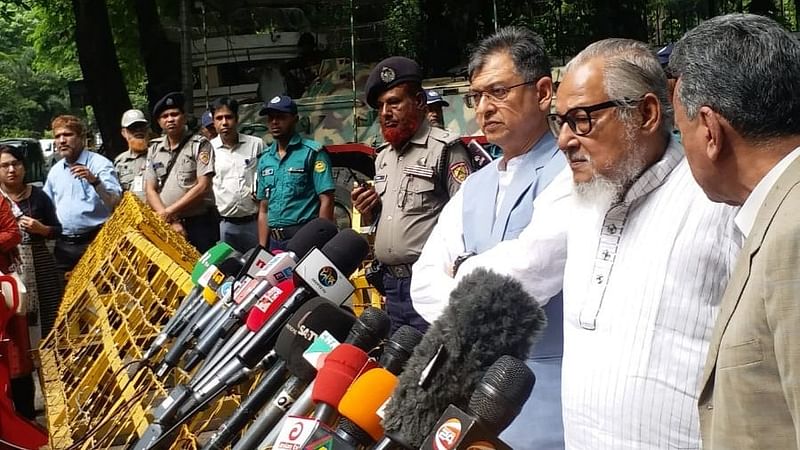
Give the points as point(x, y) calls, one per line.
point(417, 195)
point(740, 354)
point(187, 172)
point(297, 180)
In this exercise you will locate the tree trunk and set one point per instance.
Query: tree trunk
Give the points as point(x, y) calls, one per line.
point(162, 62)
point(98, 60)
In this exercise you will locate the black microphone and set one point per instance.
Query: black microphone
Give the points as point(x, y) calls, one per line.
point(488, 316)
point(497, 400)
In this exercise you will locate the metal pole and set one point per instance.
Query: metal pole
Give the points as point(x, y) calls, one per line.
point(205, 51)
point(353, 71)
point(187, 81)
point(494, 8)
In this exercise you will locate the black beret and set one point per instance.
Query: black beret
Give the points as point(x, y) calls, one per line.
point(169, 101)
point(389, 73)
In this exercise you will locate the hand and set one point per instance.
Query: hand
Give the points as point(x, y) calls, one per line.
point(33, 226)
point(178, 227)
point(82, 172)
point(364, 198)
point(166, 214)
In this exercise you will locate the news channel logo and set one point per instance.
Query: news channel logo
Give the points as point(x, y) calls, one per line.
point(327, 276)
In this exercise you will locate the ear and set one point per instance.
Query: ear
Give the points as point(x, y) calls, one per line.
point(650, 108)
point(421, 101)
point(544, 92)
point(714, 126)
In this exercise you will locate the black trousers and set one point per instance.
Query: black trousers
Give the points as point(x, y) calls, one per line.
point(202, 231)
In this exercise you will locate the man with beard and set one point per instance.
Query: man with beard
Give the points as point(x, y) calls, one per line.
point(742, 138)
point(295, 180)
point(131, 163)
point(510, 89)
point(648, 257)
point(236, 157)
point(84, 190)
point(417, 170)
point(180, 167)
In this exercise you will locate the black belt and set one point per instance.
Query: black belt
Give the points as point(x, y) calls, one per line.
point(240, 220)
point(80, 238)
point(399, 270)
point(284, 233)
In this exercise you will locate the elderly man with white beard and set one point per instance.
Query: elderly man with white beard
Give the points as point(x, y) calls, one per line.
point(648, 257)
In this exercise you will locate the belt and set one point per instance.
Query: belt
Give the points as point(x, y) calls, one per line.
point(239, 220)
point(284, 233)
point(80, 238)
point(399, 270)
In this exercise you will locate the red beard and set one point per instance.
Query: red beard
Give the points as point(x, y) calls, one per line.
point(400, 134)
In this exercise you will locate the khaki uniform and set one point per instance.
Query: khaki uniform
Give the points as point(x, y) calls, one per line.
point(414, 184)
point(130, 168)
point(196, 159)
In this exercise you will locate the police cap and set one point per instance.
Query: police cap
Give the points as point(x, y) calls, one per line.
point(434, 97)
point(389, 73)
point(279, 103)
point(170, 101)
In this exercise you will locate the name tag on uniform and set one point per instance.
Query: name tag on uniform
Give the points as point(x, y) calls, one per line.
point(380, 178)
point(138, 184)
point(267, 172)
point(419, 171)
point(296, 170)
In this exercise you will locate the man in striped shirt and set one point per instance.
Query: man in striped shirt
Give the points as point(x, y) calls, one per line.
point(648, 257)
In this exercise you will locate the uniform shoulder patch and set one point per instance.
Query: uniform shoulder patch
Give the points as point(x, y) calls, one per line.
point(320, 166)
point(459, 171)
point(204, 156)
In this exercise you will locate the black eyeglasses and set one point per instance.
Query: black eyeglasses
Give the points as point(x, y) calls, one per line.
point(580, 118)
point(8, 164)
point(473, 99)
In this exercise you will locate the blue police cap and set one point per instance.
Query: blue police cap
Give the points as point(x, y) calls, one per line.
point(169, 101)
point(206, 120)
point(279, 103)
point(389, 73)
point(435, 97)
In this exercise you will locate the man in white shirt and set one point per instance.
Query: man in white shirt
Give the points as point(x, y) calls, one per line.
point(737, 104)
point(234, 183)
point(648, 257)
point(510, 89)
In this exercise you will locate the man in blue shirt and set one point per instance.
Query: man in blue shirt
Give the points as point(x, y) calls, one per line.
point(295, 182)
point(84, 189)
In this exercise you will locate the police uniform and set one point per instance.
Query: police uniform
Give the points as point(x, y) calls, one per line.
point(130, 167)
point(292, 186)
point(414, 183)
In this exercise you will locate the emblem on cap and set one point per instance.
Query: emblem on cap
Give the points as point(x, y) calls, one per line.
point(275, 99)
point(387, 74)
point(434, 94)
point(169, 101)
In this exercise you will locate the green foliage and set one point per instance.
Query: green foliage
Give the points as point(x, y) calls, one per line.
point(405, 24)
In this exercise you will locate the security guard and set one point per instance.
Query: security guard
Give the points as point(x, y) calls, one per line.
point(435, 103)
point(416, 171)
point(295, 182)
point(180, 167)
point(130, 164)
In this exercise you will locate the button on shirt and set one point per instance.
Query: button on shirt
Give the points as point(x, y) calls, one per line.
point(78, 207)
point(293, 184)
point(235, 175)
point(130, 167)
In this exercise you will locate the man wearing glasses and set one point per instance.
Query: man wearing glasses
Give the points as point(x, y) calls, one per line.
point(648, 257)
point(510, 90)
point(417, 170)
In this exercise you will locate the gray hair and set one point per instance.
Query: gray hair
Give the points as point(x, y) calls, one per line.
point(746, 68)
point(630, 71)
point(525, 47)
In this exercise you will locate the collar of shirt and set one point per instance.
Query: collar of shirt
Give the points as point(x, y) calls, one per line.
point(217, 142)
point(419, 138)
point(82, 159)
point(655, 175)
point(747, 214)
point(294, 141)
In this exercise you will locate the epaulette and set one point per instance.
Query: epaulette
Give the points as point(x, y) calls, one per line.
point(448, 138)
point(312, 144)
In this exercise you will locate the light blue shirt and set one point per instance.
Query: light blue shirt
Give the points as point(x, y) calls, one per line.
point(78, 207)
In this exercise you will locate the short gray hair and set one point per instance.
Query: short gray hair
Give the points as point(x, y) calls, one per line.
point(630, 71)
point(746, 68)
point(525, 47)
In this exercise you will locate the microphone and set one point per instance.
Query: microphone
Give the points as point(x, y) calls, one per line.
point(360, 405)
point(315, 316)
point(488, 316)
point(497, 400)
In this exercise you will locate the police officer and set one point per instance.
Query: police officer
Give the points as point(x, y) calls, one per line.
point(180, 167)
point(130, 164)
point(435, 104)
point(295, 182)
point(416, 171)
point(207, 128)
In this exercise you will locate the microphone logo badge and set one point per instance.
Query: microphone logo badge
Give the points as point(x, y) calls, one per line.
point(482, 445)
point(447, 434)
point(327, 276)
point(296, 431)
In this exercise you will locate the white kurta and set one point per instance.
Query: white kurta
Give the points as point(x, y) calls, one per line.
point(642, 287)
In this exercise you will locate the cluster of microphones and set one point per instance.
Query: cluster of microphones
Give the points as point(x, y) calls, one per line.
point(326, 378)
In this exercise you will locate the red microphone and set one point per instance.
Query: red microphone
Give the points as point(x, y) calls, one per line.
point(269, 303)
point(342, 365)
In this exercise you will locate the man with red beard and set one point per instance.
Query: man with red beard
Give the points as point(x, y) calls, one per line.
point(416, 171)
point(130, 164)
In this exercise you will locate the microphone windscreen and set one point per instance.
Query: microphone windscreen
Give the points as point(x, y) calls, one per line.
point(212, 256)
point(502, 391)
point(398, 348)
point(365, 397)
point(372, 326)
point(232, 264)
point(342, 365)
point(314, 317)
point(346, 250)
point(261, 311)
point(313, 234)
point(488, 316)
